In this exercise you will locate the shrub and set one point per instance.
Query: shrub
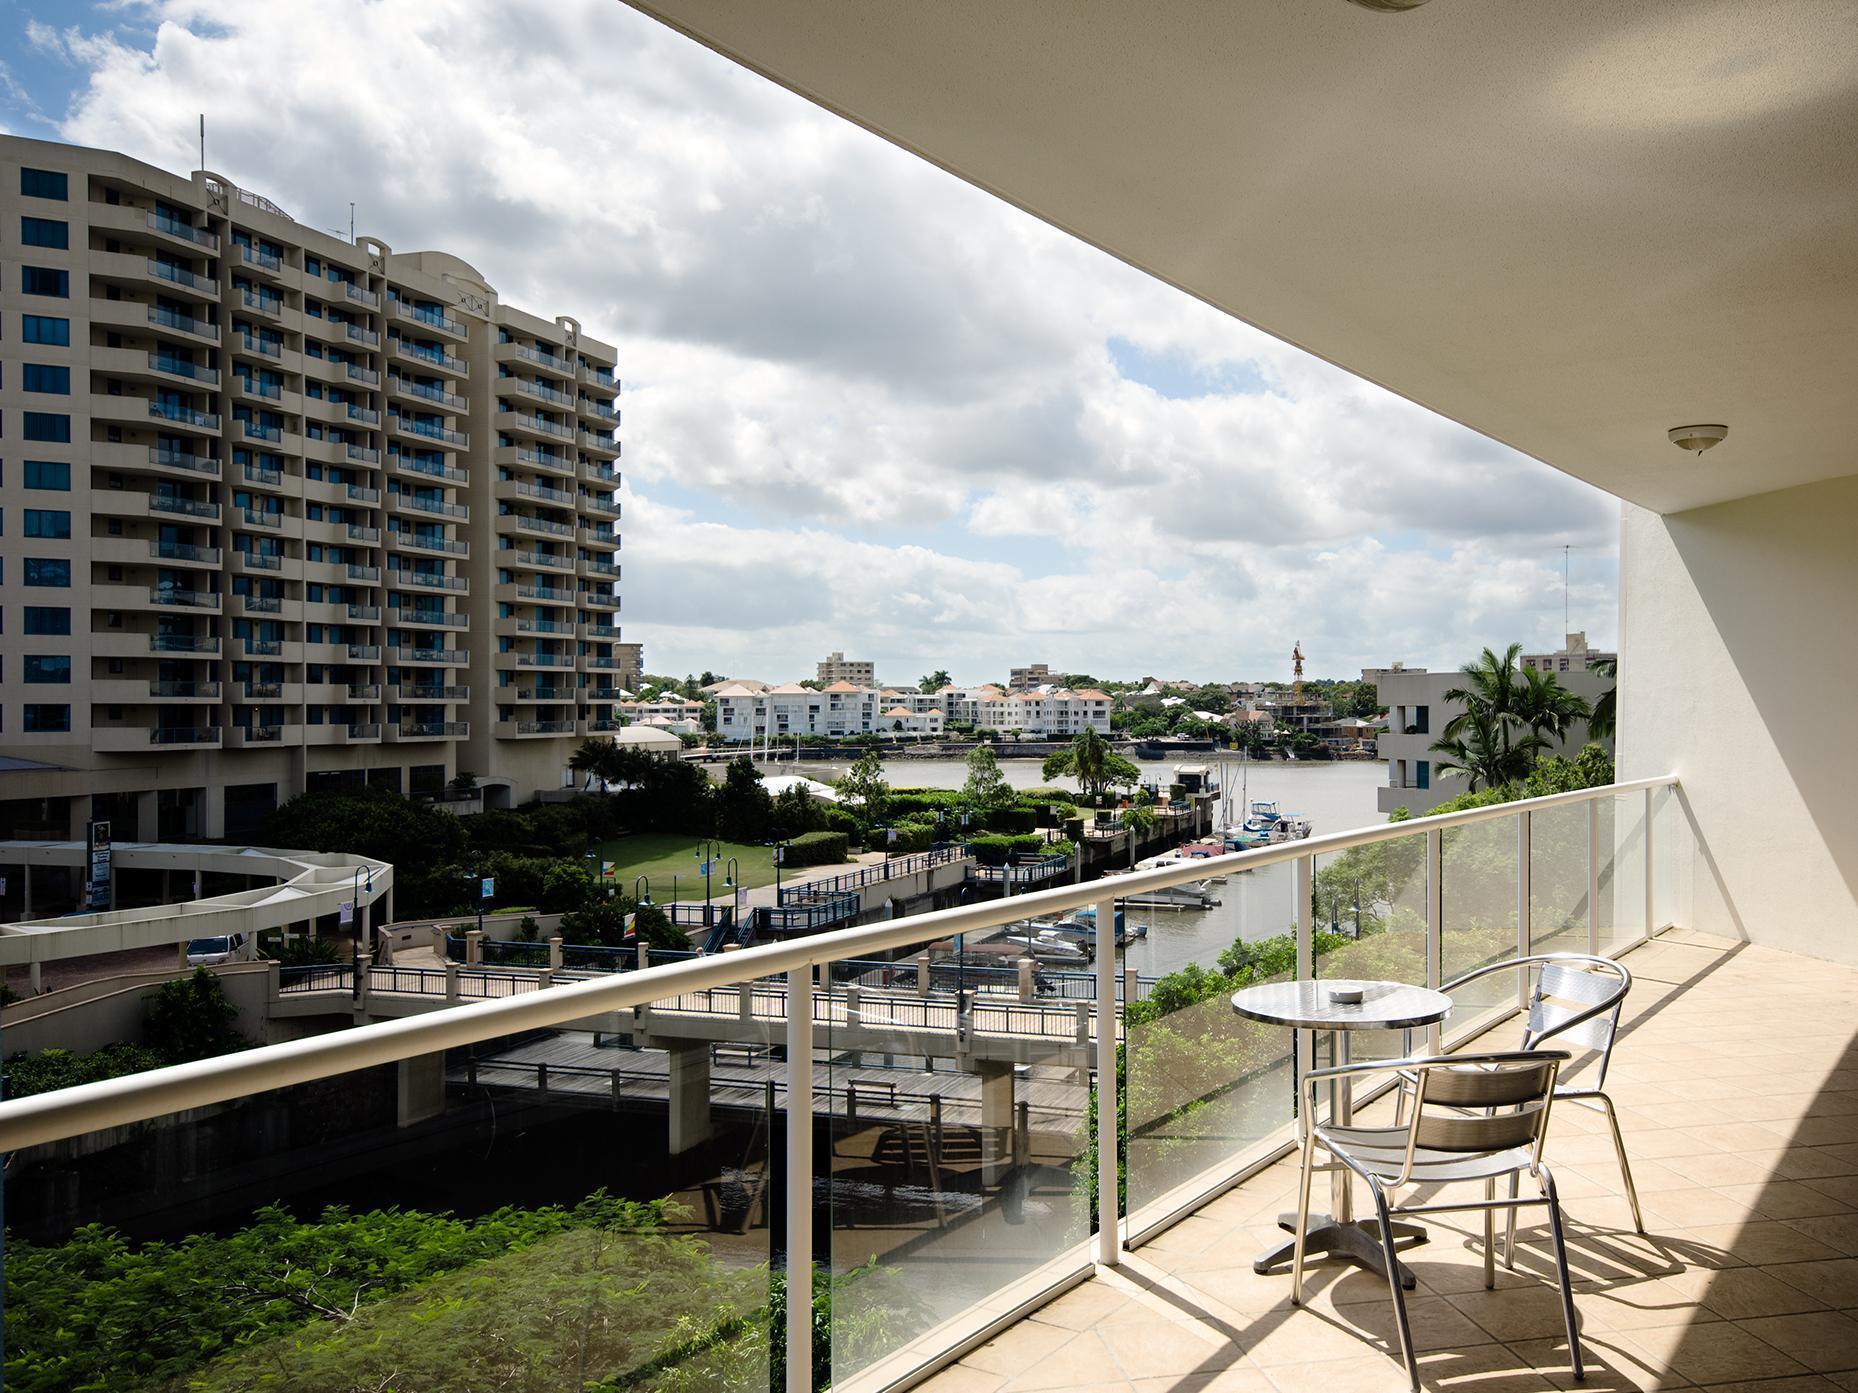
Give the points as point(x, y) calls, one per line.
point(192, 1018)
point(1012, 820)
point(305, 952)
point(994, 851)
point(818, 849)
point(1072, 829)
point(528, 931)
point(843, 823)
point(911, 837)
point(566, 885)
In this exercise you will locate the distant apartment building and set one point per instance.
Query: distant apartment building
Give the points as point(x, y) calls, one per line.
point(1056, 712)
point(674, 713)
point(1575, 656)
point(836, 667)
point(1417, 714)
point(1375, 675)
point(1022, 679)
point(964, 703)
point(912, 720)
point(841, 709)
point(286, 512)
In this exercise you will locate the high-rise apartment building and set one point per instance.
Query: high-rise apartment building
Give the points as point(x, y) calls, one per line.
point(836, 667)
point(279, 511)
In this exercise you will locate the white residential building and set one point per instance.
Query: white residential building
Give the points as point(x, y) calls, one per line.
point(673, 713)
point(841, 709)
point(1053, 711)
point(904, 720)
point(964, 703)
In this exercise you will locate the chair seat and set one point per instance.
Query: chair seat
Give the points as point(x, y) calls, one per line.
point(1381, 1151)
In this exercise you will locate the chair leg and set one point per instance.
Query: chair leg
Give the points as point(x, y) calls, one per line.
point(1490, 1235)
point(1303, 1217)
point(1393, 1282)
point(1625, 1166)
point(1509, 1237)
point(1561, 1270)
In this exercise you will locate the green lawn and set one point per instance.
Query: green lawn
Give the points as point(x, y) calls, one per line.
point(662, 855)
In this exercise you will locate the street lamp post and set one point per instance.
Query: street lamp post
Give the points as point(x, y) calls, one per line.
point(780, 858)
point(646, 881)
point(732, 879)
point(354, 902)
point(706, 855)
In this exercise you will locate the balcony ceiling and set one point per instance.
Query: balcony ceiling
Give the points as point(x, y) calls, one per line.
point(1569, 225)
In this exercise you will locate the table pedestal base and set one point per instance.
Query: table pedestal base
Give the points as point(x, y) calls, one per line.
point(1359, 1243)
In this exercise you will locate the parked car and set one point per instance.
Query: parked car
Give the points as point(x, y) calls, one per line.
point(226, 948)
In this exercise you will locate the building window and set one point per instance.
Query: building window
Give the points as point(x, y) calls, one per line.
point(1423, 768)
point(44, 619)
point(45, 328)
point(45, 232)
point(42, 183)
point(48, 522)
point(48, 667)
point(48, 474)
point(47, 718)
point(48, 571)
point(44, 425)
point(46, 377)
point(45, 280)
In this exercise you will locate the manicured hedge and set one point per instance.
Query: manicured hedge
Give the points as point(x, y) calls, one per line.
point(993, 851)
point(817, 849)
point(1012, 820)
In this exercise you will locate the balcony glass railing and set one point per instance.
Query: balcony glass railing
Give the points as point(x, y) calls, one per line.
point(362, 454)
point(182, 459)
point(180, 367)
point(427, 430)
point(174, 227)
point(407, 464)
point(360, 296)
point(164, 318)
point(258, 387)
point(359, 334)
point(428, 619)
point(184, 735)
point(183, 551)
point(431, 580)
point(255, 430)
point(264, 304)
point(432, 357)
point(425, 392)
point(901, 1114)
point(361, 493)
point(432, 317)
point(357, 373)
point(431, 505)
point(191, 507)
point(426, 541)
point(177, 275)
point(184, 415)
point(262, 259)
point(182, 643)
point(269, 348)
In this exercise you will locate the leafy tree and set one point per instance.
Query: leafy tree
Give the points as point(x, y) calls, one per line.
point(192, 1018)
point(1140, 819)
point(371, 822)
point(796, 812)
point(986, 786)
point(1604, 723)
point(566, 885)
point(933, 682)
point(864, 785)
point(744, 811)
point(1090, 760)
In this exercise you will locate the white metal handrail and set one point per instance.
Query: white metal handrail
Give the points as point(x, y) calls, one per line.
point(116, 1102)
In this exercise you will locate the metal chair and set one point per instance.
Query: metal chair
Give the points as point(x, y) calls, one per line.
point(1576, 1000)
point(1473, 1117)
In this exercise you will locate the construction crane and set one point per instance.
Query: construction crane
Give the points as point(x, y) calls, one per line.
point(1296, 668)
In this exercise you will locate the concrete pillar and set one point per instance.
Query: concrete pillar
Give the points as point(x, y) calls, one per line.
point(474, 947)
point(180, 955)
point(1132, 984)
point(213, 811)
point(79, 817)
point(35, 977)
point(26, 912)
point(690, 1096)
point(996, 1118)
point(922, 974)
point(451, 982)
point(363, 962)
point(148, 816)
point(1025, 979)
point(421, 1088)
point(554, 953)
point(645, 954)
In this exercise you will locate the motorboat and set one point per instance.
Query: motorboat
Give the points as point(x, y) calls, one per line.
point(1125, 931)
point(1263, 819)
point(1190, 894)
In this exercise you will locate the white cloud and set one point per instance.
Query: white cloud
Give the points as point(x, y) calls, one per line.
point(867, 407)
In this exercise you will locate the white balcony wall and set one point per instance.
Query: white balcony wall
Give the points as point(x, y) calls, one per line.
point(1736, 662)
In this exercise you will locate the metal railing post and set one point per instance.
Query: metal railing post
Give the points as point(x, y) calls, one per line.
point(1593, 875)
point(1303, 1042)
point(1435, 921)
point(1109, 1142)
point(1525, 925)
point(1651, 924)
point(799, 1234)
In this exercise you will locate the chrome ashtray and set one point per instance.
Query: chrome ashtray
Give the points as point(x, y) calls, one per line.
point(1345, 996)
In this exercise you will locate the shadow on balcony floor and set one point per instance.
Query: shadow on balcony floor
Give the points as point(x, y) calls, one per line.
point(1738, 1091)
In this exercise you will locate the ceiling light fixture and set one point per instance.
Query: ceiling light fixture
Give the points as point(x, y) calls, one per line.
point(1696, 438)
point(1388, 7)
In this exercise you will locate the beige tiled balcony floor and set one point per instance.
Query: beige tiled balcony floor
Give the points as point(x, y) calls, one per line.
point(1737, 1082)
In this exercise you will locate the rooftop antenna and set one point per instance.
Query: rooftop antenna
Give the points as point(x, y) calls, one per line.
point(1564, 590)
point(203, 141)
point(351, 222)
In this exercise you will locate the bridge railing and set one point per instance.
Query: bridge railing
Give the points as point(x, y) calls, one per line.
point(893, 868)
point(975, 1217)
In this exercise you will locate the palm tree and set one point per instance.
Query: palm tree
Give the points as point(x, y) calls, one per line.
point(1548, 708)
point(1140, 819)
point(1604, 723)
point(1486, 750)
point(1092, 762)
point(1510, 717)
point(592, 758)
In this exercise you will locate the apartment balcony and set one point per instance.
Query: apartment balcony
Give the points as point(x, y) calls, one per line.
point(257, 261)
point(409, 468)
point(518, 662)
point(600, 444)
point(598, 633)
point(522, 355)
point(137, 503)
point(523, 457)
point(364, 652)
point(602, 475)
point(428, 619)
point(412, 505)
point(436, 320)
point(931, 1116)
point(263, 563)
point(263, 303)
point(600, 599)
point(599, 379)
point(143, 739)
point(273, 353)
point(513, 388)
point(598, 726)
point(433, 657)
point(530, 593)
point(540, 695)
point(592, 569)
point(263, 737)
point(356, 295)
point(141, 225)
point(177, 464)
point(428, 580)
point(518, 490)
point(597, 416)
point(147, 275)
point(600, 538)
point(407, 731)
point(427, 693)
point(151, 366)
point(527, 423)
point(514, 524)
point(514, 626)
point(535, 560)
point(430, 397)
point(116, 691)
point(265, 693)
point(420, 543)
point(528, 730)
point(437, 363)
point(601, 507)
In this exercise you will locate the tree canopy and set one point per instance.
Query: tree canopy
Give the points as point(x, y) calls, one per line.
point(1090, 760)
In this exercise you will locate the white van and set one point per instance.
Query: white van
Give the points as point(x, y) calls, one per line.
point(227, 948)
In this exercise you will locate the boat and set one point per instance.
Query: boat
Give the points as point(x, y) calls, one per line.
point(1043, 942)
point(1263, 819)
point(1190, 894)
point(1087, 916)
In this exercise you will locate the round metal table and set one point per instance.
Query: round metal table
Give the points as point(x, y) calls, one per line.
point(1307, 1006)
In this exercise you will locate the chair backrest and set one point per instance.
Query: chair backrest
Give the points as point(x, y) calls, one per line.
point(1565, 993)
point(1509, 1095)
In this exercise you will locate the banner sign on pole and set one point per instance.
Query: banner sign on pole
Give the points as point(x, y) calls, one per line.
point(97, 880)
point(490, 888)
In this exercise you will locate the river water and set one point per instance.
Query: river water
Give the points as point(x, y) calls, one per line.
point(1333, 795)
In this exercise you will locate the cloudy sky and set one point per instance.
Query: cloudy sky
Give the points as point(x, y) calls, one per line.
point(866, 406)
